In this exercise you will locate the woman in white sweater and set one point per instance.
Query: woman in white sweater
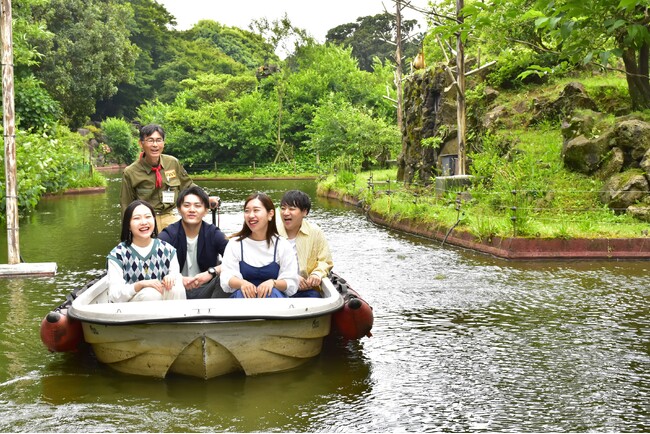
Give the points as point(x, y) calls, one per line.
point(142, 267)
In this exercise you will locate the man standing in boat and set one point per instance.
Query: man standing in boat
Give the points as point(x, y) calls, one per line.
point(155, 177)
point(198, 244)
point(314, 257)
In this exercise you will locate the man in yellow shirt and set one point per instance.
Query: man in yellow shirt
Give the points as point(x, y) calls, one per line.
point(314, 256)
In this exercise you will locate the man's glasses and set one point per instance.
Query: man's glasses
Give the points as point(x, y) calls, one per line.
point(151, 141)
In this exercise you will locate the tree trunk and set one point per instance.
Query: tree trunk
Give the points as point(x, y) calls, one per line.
point(398, 61)
point(460, 99)
point(636, 74)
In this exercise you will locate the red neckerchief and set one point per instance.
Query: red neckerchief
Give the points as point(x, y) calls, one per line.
point(156, 169)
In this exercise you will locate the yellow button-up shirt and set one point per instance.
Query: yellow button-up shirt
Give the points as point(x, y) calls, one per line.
point(314, 256)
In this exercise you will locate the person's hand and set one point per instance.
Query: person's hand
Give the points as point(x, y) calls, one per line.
point(190, 283)
point(313, 281)
point(150, 283)
point(248, 289)
point(168, 282)
point(265, 288)
point(215, 202)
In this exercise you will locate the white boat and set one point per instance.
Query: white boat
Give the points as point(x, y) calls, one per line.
point(204, 338)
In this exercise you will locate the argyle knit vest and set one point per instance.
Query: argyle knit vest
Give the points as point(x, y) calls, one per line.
point(135, 267)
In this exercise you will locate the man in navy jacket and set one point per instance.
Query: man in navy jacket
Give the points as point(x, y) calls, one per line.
point(198, 244)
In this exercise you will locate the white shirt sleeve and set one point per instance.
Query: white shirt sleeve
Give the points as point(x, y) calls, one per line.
point(288, 266)
point(175, 270)
point(118, 290)
point(230, 264)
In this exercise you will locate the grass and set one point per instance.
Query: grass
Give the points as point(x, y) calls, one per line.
point(273, 170)
point(520, 187)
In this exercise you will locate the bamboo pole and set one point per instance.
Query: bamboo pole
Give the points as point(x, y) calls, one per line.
point(9, 124)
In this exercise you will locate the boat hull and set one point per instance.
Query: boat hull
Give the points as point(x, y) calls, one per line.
point(208, 349)
point(204, 338)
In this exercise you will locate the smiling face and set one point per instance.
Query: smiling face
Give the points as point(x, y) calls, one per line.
point(292, 219)
point(142, 225)
point(257, 218)
point(192, 210)
point(153, 147)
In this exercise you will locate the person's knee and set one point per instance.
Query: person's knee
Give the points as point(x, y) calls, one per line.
point(147, 294)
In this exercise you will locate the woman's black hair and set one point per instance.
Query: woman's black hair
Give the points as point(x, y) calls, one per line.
point(126, 235)
point(271, 230)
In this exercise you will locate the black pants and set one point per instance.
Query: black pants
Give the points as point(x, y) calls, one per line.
point(212, 289)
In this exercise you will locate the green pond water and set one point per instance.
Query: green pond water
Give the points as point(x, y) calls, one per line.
point(462, 341)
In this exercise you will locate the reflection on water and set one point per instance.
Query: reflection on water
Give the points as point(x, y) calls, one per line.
point(462, 342)
point(181, 404)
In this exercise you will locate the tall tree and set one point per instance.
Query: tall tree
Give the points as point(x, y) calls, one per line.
point(90, 54)
point(149, 31)
point(372, 36)
point(281, 34)
point(243, 46)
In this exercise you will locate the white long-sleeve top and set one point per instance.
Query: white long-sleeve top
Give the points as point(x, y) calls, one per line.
point(120, 291)
point(259, 254)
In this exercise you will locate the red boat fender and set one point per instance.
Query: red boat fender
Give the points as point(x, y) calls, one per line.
point(355, 319)
point(60, 333)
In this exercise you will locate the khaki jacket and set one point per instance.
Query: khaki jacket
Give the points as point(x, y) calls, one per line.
point(139, 181)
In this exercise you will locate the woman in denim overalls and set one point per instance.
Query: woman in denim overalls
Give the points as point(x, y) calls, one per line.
point(258, 263)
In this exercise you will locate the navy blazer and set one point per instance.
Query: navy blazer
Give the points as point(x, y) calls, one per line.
point(211, 243)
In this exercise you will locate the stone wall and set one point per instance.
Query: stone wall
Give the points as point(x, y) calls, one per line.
point(429, 111)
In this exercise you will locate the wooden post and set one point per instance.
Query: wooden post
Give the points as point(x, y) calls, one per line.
point(9, 124)
point(14, 267)
point(398, 61)
point(460, 91)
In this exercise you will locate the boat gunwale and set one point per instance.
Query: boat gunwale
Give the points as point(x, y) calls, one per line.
point(327, 306)
point(202, 320)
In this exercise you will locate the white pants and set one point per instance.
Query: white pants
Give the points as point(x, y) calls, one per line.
point(152, 294)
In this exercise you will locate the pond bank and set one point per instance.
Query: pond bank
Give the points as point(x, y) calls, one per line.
point(516, 248)
point(82, 190)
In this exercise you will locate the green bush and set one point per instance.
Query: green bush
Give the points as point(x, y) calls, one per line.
point(47, 165)
point(35, 109)
point(120, 138)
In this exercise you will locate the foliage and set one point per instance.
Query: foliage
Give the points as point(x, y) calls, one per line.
point(316, 71)
point(90, 55)
point(149, 31)
point(188, 59)
point(217, 87)
point(339, 128)
point(281, 34)
point(600, 32)
point(244, 47)
point(120, 135)
point(35, 108)
point(373, 37)
point(199, 131)
point(48, 165)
